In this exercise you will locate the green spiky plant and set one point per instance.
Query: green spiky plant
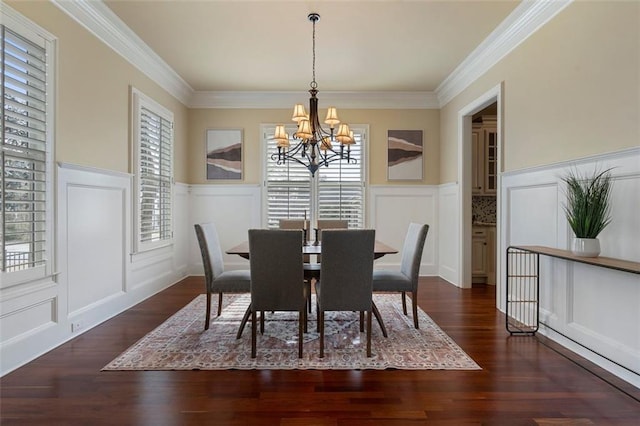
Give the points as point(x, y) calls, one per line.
point(588, 207)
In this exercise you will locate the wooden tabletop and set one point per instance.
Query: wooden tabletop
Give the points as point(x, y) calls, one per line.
point(606, 262)
point(380, 249)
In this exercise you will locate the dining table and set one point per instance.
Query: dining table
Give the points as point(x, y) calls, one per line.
point(380, 249)
point(312, 270)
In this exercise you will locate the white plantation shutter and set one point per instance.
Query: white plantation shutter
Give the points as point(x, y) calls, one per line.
point(288, 186)
point(338, 190)
point(154, 172)
point(341, 187)
point(25, 162)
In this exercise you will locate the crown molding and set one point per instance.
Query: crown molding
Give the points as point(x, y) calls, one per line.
point(353, 100)
point(525, 20)
point(99, 20)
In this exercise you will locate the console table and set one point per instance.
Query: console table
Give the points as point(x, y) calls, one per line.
point(523, 282)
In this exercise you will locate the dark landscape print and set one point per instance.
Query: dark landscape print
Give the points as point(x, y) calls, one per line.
point(404, 154)
point(224, 154)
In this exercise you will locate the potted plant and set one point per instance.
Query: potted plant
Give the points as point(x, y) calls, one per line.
point(588, 209)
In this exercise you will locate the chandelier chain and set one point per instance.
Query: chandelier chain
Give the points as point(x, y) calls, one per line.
point(314, 85)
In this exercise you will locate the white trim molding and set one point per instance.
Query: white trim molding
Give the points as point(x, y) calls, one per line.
point(355, 100)
point(100, 21)
point(524, 21)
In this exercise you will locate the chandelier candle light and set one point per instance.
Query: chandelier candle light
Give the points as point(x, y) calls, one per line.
point(315, 146)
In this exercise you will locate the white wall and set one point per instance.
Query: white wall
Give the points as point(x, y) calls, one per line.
point(598, 308)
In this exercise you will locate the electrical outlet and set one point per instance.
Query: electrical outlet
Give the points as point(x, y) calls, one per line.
point(76, 326)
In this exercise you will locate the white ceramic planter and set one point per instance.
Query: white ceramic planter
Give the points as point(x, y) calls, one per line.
point(586, 247)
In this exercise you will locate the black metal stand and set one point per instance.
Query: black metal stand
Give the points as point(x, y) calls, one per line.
point(523, 291)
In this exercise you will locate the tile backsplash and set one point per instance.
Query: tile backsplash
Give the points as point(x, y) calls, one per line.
point(484, 209)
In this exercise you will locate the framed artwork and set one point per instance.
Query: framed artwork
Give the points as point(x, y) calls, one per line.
point(404, 154)
point(224, 154)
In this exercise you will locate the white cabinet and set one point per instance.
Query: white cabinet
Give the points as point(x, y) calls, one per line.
point(483, 254)
point(484, 151)
point(479, 254)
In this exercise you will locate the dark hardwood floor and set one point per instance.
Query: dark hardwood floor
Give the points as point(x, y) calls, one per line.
point(523, 381)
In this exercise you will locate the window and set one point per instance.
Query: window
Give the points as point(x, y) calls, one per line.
point(26, 119)
point(336, 192)
point(153, 137)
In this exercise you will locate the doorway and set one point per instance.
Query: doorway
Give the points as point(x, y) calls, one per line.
point(480, 182)
point(484, 181)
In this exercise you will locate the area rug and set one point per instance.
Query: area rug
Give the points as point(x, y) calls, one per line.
point(181, 343)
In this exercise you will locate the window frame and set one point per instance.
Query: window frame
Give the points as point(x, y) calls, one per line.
point(267, 131)
point(27, 29)
point(139, 101)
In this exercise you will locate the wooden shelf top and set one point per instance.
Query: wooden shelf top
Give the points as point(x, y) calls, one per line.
point(605, 262)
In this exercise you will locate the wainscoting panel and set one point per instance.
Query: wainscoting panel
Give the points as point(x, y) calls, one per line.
point(182, 229)
point(96, 275)
point(449, 233)
point(234, 209)
point(592, 311)
point(21, 322)
point(419, 204)
point(95, 220)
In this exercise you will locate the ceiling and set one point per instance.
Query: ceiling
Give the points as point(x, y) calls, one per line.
point(264, 45)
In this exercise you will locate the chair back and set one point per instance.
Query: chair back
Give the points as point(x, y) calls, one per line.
point(294, 224)
point(331, 224)
point(347, 269)
point(275, 258)
point(210, 251)
point(412, 251)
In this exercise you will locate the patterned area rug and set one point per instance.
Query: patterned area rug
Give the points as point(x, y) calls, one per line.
point(181, 343)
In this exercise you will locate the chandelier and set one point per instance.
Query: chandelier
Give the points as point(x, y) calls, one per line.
point(315, 146)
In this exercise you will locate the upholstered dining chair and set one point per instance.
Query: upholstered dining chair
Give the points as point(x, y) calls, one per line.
point(216, 279)
point(330, 224)
point(295, 224)
point(275, 258)
point(346, 276)
point(406, 279)
point(310, 270)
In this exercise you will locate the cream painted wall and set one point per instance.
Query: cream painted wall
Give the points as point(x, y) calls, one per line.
point(379, 122)
point(92, 93)
point(571, 90)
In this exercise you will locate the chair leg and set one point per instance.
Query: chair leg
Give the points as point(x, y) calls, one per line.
point(376, 312)
point(306, 317)
point(219, 303)
point(208, 312)
point(253, 333)
point(317, 317)
point(361, 321)
point(261, 322)
point(245, 318)
point(414, 302)
point(404, 303)
point(369, 334)
point(301, 318)
point(321, 327)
